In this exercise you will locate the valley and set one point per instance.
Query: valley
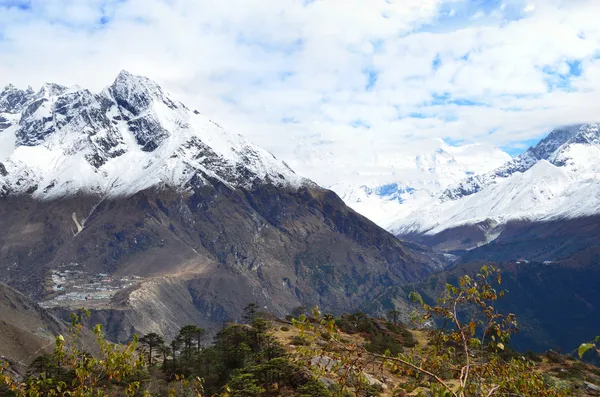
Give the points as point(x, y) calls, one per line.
point(171, 220)
point(299, 198)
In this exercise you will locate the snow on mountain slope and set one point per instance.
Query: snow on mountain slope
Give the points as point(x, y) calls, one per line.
point(406, 180)
point(558, 178)
point(556, 148)
point(62, 141)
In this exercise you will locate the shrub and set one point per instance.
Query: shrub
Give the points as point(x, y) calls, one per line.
point(382, 343)
point(299, 341)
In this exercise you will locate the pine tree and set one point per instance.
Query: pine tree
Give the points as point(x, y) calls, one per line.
point(250, 312)
point(393, 316)
point(190, 335)
point(150, 342)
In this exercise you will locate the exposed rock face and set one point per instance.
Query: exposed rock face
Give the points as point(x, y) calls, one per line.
point(12, 100)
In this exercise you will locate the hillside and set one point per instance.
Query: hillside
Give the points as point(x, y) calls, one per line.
point(26, 330)
point(322, 356)
point(555, 302)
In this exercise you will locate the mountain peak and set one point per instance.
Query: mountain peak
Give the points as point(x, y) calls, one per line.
point(135, 94)
point(51, 89)
point(557, 142)
point(125, 78)
point(125, 74)
point(13, 99)
point(132, 82)
point(130, 137)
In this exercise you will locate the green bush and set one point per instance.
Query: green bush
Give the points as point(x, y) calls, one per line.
point(314, 388)
point(299, 341)
point(381, 343)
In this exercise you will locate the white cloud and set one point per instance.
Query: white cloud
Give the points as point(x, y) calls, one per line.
point(292, 74)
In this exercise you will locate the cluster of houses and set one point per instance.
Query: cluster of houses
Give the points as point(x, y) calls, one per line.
point(71, 285)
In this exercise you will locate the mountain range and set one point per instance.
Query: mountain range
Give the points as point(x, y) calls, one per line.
point(407, 181)
point(556, 182)
point(132, 136)
point(537, 218)
point(557, 178)
point(153, 216)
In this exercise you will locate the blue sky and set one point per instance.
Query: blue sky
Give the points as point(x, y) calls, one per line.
point(317, 82)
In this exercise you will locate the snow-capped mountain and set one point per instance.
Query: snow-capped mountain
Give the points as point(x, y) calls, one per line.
point(557, 148)
point(131, 136)
point(559, 178)
point(132, 184)
point(417, 178)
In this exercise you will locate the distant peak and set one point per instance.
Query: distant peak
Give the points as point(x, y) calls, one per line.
point(124, 74)
point(581, 133)
point(51, 89)
point(12, 88)
point(126, 77)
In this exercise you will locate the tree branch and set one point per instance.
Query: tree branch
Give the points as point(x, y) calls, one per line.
point(416, 368)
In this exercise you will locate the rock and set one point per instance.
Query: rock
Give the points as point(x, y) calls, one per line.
point(591, 387)
point(374, 381)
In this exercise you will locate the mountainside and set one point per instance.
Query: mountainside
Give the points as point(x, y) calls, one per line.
point(417, 179)
point(557, 180)
point(151, 215)
point(26, 330)
point(537, 217)
point(556, 303)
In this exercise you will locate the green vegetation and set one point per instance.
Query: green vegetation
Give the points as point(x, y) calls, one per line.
point(246, 360)
point(316, 355)
point(467, 356)
point(591, 346)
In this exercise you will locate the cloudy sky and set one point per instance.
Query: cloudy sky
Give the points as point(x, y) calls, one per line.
point(329, 83)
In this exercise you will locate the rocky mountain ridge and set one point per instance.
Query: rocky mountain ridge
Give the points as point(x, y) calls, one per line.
point(62, 141)
point(554, 148)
